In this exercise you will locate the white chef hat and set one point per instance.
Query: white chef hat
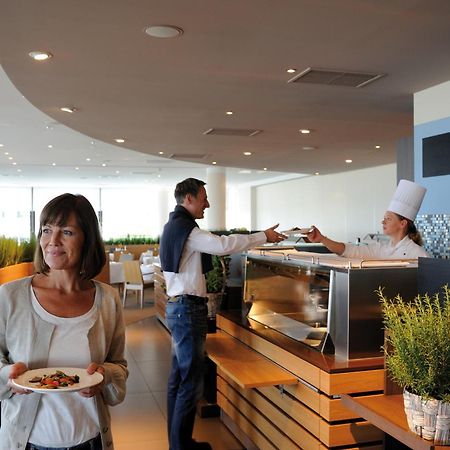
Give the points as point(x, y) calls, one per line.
point(407, 199)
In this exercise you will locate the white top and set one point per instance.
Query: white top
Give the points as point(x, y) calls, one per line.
point(405, 249)
point(74, 418)
point(190, 279)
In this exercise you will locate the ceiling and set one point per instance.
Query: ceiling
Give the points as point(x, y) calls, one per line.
point(162, 95)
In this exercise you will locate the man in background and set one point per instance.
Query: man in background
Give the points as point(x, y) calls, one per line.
point(185, 253)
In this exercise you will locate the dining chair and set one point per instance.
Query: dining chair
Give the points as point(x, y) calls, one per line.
point(133, 281)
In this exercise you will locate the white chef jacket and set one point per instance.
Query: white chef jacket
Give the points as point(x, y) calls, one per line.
point(190, 279)
point(405, 249)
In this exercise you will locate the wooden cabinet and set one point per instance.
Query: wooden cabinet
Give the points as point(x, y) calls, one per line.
point(300, 406)
point(160, 294)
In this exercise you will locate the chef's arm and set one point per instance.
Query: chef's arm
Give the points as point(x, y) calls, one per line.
point(316, 236)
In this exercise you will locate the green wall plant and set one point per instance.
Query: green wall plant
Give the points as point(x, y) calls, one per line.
point(417, 346)
point(13, 252)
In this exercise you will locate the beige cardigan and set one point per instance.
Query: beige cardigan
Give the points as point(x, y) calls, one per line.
point(25, 337)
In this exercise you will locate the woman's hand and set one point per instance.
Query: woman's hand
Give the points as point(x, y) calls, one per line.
point(93, 390)
point(17, 369)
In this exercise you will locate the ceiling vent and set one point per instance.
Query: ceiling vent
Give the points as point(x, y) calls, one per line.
point(335, 77)
point(231, 132)
point(188, 155)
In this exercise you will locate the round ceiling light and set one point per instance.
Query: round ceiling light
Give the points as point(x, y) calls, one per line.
point(163, 31)
point(40, 56)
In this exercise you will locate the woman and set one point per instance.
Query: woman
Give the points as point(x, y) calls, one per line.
point(61, 318)
point(398, 223)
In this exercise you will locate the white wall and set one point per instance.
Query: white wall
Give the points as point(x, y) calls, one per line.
point(343, 206)
point(432, 104)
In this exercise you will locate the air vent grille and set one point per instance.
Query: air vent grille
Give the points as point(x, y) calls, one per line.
point(188, 155)
point(231, 132)
point(335, 77)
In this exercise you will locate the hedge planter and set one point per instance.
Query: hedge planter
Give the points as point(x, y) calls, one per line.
point(10, 273)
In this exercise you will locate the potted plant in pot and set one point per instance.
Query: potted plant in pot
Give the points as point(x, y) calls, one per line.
point(417, 355)
point(215, 284)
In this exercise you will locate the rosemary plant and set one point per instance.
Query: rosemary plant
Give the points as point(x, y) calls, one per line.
point(417, 346)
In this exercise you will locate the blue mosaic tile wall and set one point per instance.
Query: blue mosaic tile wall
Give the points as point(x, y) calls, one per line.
point(435, 230)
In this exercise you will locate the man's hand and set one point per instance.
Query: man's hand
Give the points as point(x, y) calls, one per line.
point(274, 236)
point(93, 390)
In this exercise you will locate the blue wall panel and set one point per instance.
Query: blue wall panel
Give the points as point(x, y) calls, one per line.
point(437, 198)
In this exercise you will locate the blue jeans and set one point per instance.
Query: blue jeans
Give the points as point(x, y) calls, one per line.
point(187, 321)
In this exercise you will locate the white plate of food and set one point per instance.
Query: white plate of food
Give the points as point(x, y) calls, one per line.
point(57, 379)
point(298, 231)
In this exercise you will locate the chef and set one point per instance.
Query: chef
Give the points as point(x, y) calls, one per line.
point(398, 223)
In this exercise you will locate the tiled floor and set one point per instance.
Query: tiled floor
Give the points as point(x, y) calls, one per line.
point(139, 423)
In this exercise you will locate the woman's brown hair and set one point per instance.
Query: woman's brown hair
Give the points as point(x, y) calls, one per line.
point(412, 231)
point(57, 212)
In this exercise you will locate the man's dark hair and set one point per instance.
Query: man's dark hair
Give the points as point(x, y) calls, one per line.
point(187, 186)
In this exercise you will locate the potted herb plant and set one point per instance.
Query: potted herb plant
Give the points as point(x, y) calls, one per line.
point(417, 355)
point(215, 284)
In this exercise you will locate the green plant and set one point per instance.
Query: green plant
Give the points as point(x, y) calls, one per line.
point(13, 252)
point(132, 240)
point(217, 277)
point(417, 346)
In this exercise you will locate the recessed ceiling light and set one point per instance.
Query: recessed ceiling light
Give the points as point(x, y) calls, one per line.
point(77, 168)
point(117, 171)
point(377, 146)
point(348, 161)
point(214, 163)
point(317, 173)
point(10, 158)
point(40, 56)
point(161, 153)
point(53, 164)
point(308, 147)
point(265, 168)
point(14, 164)
point(291, 70)
point(304, 131)
point(19, 170)
point(2, 145)
point(120, 140)
point(7, 153)
point(103, 165)
point(50, 146)
point(163, 31)
point(68, 109)
point(247, 153)
point(229, 113)
point(88, 159)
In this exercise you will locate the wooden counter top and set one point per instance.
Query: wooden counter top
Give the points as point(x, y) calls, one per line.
point(328, 363)
point(386, 412)
point(243, 365)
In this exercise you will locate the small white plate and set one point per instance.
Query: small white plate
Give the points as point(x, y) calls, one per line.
point(86, 380)
point(302, 231)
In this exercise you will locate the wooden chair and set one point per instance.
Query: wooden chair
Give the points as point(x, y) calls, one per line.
point(133, 281)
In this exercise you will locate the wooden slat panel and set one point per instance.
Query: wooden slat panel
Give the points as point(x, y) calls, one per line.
point(349, 433)
point(297, 366)
point(332, 410)
point(303, 415)
point(305, 394)
point(278, 420)
point(248, 427)
point(243, 365)
point(352, 382)
point(362, 447)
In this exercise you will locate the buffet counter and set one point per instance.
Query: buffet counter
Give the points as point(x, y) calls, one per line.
point(277, 389)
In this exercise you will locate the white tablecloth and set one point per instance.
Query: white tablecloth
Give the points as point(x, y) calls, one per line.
point(117, 275)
